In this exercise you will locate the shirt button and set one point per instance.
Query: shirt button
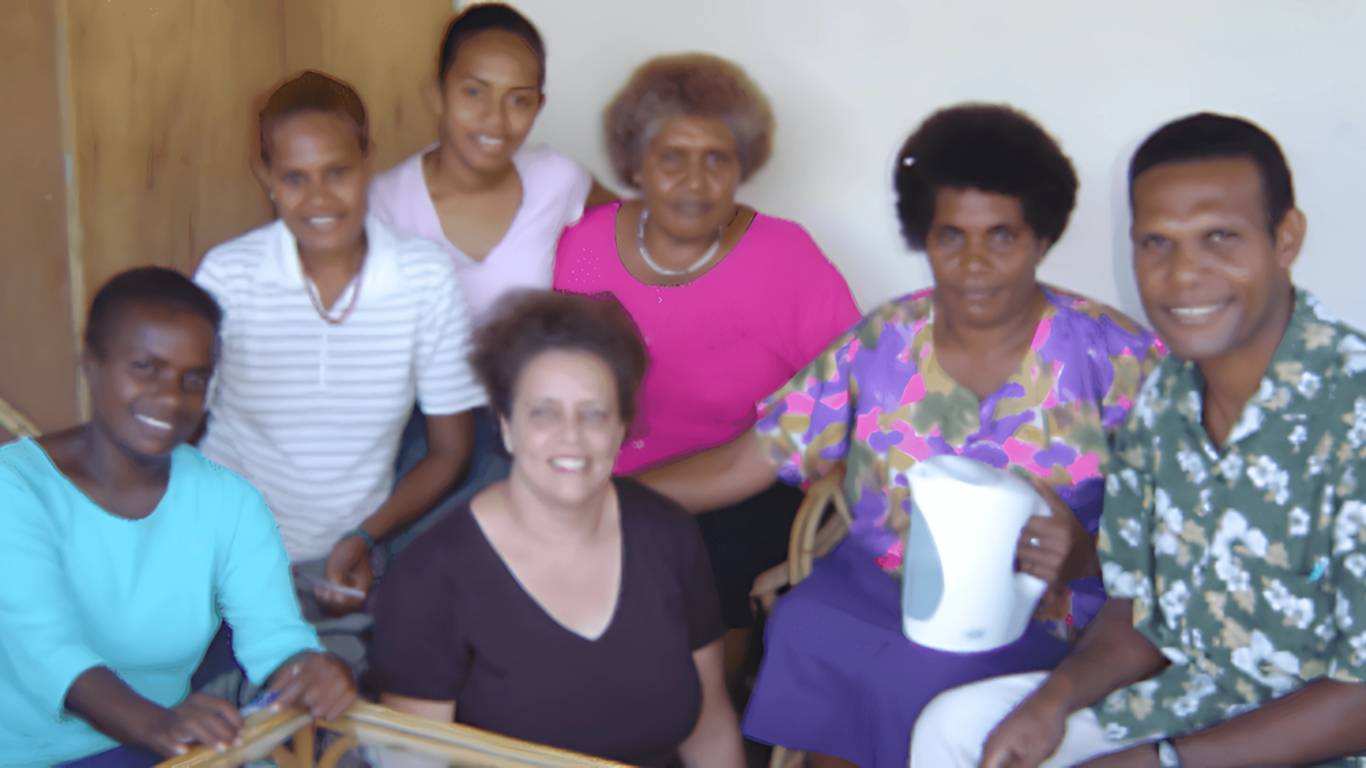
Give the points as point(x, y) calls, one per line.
point(638, 444)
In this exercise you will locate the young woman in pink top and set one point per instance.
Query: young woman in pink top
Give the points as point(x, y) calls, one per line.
point(495, 206)
point(730, 302)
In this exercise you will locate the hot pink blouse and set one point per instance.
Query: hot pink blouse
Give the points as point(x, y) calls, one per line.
point(719, 344)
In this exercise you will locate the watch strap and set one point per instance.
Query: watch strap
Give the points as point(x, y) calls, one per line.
point(1167, 756)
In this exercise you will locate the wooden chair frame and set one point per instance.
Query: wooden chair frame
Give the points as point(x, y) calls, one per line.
point(815, 531)
point(289, 737)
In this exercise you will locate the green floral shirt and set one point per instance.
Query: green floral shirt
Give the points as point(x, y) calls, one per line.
point(1245, 564)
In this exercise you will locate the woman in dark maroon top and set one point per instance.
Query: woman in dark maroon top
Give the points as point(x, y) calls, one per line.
point(561, 606)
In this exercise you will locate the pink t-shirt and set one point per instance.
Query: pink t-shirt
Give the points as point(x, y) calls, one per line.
point(554, 188)
point(719, 344)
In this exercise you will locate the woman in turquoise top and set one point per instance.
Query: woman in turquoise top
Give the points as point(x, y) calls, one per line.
point(124, 549)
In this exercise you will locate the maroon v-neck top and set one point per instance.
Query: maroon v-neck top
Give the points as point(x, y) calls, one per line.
point(452, 623)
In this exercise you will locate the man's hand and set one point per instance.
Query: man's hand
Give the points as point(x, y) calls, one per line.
point(1028, 736)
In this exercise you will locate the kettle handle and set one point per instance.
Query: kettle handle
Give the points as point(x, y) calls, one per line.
point(1027, 586)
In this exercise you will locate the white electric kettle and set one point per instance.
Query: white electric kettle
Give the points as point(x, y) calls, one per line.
point(960, 589)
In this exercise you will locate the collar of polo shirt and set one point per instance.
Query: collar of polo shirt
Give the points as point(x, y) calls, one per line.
point(379, 273)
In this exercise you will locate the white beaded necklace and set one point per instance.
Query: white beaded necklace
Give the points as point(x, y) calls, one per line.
point(665, 271)
point(350, 293)
point(335, 317)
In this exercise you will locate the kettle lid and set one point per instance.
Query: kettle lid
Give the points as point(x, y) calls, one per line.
point(966, 471)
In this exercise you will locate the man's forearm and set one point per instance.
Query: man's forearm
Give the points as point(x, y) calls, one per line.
point(1111, 655)
point(1319, 722)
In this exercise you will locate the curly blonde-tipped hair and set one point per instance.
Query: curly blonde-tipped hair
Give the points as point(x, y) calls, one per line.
point(687, 85)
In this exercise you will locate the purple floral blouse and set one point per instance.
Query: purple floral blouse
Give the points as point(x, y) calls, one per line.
point(877, 400)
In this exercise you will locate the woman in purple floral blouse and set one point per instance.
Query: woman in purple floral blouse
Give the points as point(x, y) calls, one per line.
point(990, 364)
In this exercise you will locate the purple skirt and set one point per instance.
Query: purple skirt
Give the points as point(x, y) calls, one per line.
point(839, 677)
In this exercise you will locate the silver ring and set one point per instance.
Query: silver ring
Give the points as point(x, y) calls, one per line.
point(1034, 542)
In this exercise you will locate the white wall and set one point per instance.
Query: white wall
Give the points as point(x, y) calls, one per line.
point(849, 79)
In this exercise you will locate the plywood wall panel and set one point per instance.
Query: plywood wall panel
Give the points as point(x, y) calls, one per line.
point(37, 358)
point(386, 50)
point(163, 105)
point(153, 102)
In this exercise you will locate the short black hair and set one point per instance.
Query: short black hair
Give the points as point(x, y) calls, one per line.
point(529, 322)
point(149, 287)
point(1208, 136)
point(482, 18)
point(989, 147)
point(313, 91)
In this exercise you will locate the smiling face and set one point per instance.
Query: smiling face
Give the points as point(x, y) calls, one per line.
point(565, 428)
point(489, 100)
point(688, 177)
point(318, 177)
point(983, 255)
point(148, 381)
point(1213, 276)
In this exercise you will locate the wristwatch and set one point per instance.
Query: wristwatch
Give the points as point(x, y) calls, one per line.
point(1167, 756)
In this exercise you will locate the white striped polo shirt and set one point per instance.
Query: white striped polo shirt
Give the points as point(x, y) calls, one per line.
point(312, 412)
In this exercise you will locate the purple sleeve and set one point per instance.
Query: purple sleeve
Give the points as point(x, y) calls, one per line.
point(806, 424)
point(418, 649)
point(1133, 354)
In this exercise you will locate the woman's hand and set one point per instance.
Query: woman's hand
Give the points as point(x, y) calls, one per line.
point(1056, 548)
point(318, 682)
point(347, 565)
point(1027, 736)
point(199, 719)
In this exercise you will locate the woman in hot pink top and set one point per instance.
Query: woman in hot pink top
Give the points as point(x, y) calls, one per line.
point(731, 303)
point(720, 343)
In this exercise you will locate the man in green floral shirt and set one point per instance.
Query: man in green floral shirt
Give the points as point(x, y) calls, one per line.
point(1234, 534)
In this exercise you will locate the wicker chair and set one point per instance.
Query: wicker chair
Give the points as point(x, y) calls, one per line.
point(821, 522)
point(290, 739)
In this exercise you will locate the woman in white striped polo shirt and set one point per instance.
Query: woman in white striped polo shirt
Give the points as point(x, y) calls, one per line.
point(333, 326)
